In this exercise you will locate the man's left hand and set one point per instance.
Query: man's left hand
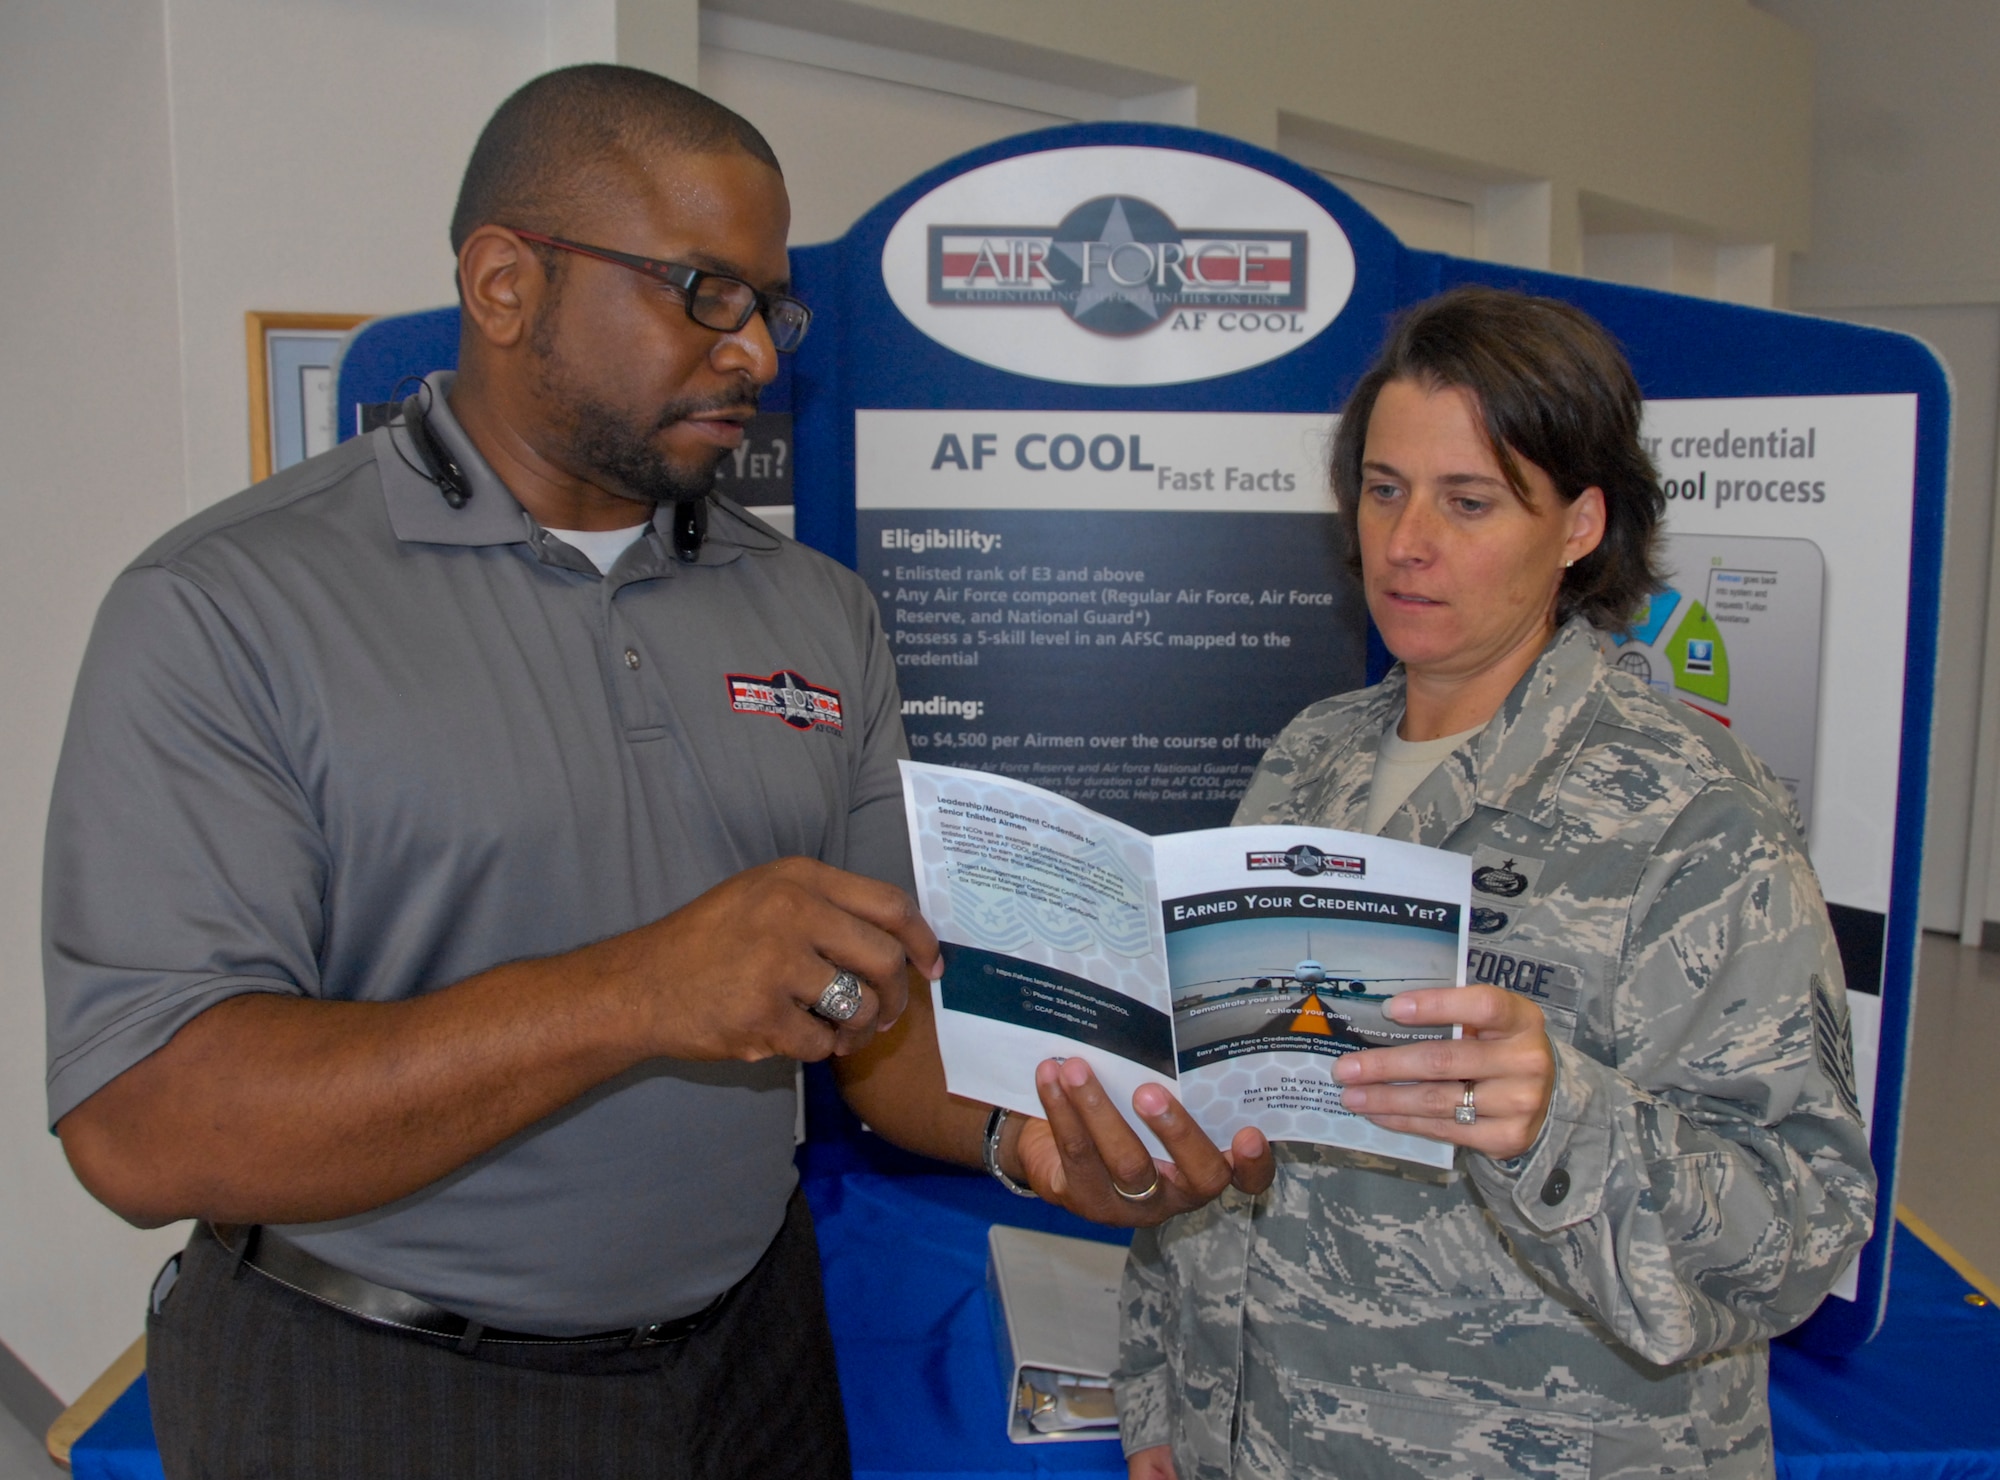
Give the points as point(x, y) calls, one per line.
point(1504, 1057)
point(1086, 1151)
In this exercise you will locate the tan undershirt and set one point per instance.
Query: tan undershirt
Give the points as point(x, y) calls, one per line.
point(1401, 766)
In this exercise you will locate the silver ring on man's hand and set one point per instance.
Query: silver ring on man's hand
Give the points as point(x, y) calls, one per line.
point(1151, 1188)
point(1463, 1112)
point(841, 999)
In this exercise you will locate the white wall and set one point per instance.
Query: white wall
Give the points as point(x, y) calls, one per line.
point(1906, 200)
point(1966, 337)
point(315, 163)
point(90, 416)
point(812, 116)
point(1684, 117)
point(1906, 211)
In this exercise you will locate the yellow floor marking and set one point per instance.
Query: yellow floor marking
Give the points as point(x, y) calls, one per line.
point(1951, 1256)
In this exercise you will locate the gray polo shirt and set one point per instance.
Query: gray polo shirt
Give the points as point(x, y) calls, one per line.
point(336, 739)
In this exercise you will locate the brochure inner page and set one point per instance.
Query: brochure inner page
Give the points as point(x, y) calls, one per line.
point(1053, 946)
point(1283, 945)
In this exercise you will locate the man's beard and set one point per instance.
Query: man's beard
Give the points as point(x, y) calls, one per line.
point(621, 458)
point(610, 448)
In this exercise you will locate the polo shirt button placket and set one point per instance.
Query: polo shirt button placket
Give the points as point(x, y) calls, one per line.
point(639, 708)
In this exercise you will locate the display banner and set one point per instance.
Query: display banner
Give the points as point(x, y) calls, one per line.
point(1138, 509)
point(1767, 495)
point(1176, 569)
point(1066, 407)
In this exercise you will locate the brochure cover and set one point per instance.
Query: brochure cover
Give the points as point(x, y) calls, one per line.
point(1230, 965)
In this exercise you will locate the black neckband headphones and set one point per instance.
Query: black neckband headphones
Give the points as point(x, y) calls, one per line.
point(441, 470)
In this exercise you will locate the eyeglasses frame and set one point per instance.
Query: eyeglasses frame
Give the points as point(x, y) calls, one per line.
point(684, 280)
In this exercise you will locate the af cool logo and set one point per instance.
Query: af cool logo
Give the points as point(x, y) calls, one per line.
point(1307, 862)
point(1118, 265)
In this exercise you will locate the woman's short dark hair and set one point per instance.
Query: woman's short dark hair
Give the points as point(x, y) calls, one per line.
point(1555, 389)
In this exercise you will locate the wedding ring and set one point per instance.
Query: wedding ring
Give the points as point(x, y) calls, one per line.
point(841, 999)
point(1463, 1112)
point(1151, 1188)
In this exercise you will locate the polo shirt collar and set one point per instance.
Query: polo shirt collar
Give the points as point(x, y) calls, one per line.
point(419, 514)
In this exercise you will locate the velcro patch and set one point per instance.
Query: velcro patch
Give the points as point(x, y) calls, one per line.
point(1833, 1042)
point(1550, 982)
point(785, 695)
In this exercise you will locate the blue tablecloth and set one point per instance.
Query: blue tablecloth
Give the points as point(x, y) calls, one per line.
point(905, 1264)
point(1919, 1402)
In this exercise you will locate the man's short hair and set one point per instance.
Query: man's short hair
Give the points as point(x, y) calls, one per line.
point(1554, 388)
point(554, 146)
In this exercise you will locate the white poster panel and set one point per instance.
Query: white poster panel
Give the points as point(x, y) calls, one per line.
point(1788, 543)
point(1770, 500)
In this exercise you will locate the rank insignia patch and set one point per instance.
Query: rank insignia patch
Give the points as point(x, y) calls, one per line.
point(785, 695)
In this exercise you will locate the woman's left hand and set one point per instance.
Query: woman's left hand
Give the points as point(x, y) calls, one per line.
point(1504, 1057)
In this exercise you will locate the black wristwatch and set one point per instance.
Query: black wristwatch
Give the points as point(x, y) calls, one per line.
point(993, 1123)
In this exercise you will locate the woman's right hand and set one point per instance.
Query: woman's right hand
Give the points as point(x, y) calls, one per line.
point(1156, 1463)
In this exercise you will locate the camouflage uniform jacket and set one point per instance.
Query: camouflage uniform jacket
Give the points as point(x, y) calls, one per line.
point(1600, 1305)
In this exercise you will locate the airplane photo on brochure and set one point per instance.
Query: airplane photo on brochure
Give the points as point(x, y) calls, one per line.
point(1308, 1006)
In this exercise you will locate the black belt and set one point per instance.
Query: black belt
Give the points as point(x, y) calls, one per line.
point(277, 1258)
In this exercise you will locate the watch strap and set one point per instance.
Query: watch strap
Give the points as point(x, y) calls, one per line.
point(994, 1122)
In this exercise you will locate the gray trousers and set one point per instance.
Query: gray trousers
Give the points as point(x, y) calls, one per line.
point(250, 1379)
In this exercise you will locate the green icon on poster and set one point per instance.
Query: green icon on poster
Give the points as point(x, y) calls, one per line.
point(1700, 661)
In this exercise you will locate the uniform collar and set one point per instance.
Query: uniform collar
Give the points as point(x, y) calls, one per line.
point(419, 514)
point(1518, 762)
point(1526, 749)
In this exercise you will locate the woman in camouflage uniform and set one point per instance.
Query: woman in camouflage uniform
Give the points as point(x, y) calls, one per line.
point(1664, 1165)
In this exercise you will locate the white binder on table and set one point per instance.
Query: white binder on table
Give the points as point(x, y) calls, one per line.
point(1055, 1318)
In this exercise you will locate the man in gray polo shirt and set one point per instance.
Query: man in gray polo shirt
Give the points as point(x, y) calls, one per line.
point(457, 839)
point(454, 845)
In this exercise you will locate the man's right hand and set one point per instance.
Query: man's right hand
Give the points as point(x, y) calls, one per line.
point(732, 974)
point(1156, 1463)
point(278, 1109)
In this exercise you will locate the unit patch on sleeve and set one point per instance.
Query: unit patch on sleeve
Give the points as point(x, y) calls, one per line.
point(786, 696)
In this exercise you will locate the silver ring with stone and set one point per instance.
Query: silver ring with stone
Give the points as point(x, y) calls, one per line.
point(1463, 1112)
point(841, 999)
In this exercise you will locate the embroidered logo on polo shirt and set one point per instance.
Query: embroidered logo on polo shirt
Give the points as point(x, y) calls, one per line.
point(785, 695)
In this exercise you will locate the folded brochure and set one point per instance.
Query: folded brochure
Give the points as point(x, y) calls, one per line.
point(1232, 966)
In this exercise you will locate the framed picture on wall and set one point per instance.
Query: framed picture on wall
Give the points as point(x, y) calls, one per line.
point(291, 385)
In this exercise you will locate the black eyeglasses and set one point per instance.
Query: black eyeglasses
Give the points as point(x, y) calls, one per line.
point(713, 300)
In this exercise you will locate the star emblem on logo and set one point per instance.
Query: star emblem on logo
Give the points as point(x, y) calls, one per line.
point(1101, 286)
